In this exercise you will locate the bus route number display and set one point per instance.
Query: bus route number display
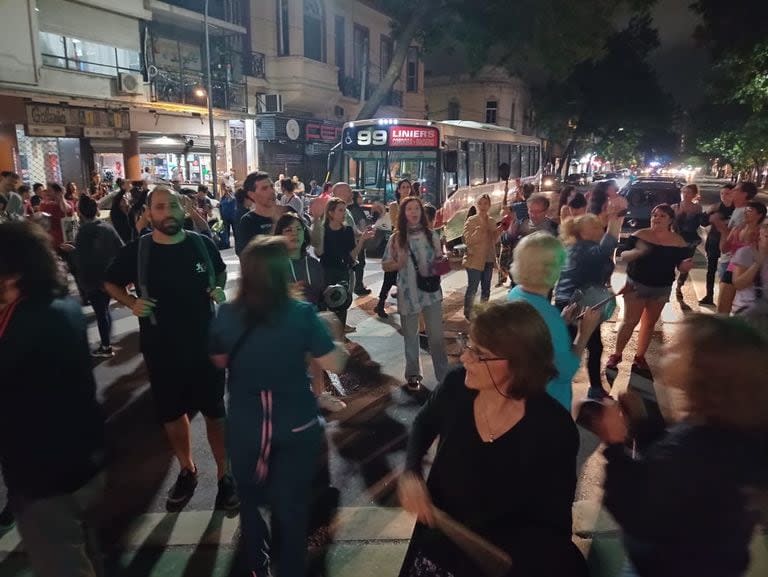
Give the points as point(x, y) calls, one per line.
point(370, 137)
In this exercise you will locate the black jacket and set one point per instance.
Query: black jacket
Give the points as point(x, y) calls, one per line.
point(51, 425)
point(683, 507)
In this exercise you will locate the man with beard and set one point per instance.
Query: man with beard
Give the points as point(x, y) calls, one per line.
point(174, 306)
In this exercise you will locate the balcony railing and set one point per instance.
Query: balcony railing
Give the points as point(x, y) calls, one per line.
point(255, 66)
point(228, 10)
point(182, 88)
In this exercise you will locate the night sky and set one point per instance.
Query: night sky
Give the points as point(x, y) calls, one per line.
point(681, 65)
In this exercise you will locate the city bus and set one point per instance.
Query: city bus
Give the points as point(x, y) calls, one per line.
point(455, 161)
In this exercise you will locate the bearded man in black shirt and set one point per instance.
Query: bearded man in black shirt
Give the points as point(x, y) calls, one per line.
point(178, 275)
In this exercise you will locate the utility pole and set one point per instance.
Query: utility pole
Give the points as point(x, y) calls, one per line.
point(210, 105)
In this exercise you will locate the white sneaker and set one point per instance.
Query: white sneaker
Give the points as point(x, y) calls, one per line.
point(328, 402)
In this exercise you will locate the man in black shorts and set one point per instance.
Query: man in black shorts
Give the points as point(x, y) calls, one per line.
point(178, 275)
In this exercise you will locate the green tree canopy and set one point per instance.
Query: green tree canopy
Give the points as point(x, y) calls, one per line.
point(535, 39)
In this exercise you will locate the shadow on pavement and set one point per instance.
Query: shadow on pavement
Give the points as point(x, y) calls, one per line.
point(148, 555)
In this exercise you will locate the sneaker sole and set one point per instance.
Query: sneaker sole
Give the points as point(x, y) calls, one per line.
point(176, 501)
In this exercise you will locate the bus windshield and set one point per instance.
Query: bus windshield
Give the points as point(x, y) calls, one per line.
point(375, 173)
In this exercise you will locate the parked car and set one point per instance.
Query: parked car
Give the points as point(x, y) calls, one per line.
point(643, 194)
point(578, 179)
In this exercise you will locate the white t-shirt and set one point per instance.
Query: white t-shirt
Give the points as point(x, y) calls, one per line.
point(294, 202)
point(737, 219)
point(746, 257)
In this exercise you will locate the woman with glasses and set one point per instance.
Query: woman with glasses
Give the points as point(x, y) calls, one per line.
point(505, 466)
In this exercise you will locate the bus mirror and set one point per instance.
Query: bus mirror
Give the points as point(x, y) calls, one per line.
point(451, 161)
point(504, 171)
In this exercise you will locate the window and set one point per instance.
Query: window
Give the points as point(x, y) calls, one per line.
point(385, 56)
point(512, 113)
point(462, 179)
point(491, 162)
point(491, 110)
point(514, 162)
point(341, 60)
point(535, 159)
point(283, 30)
point(454, 110)
point(476, 163)
point(85, 56)
point(361, 53)
point(412, 70)
point(525, 161)
point(313, 30)
point(503, 153)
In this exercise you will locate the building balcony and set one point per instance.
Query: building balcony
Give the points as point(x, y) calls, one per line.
point(350, 87)
point(223, 17)
point(184, 88)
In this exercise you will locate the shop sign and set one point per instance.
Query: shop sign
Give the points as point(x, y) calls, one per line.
point(46, 130)
point(315, 131)
point(76, 121)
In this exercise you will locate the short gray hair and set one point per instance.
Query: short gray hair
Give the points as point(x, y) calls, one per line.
point(538, 260)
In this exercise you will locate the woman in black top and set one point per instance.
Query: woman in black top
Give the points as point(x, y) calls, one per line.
point(118, 216)
point(687, 221)
point(689, 505)
point(721, 213)
point(653, 255)
point(340, 252)
point(505, 466)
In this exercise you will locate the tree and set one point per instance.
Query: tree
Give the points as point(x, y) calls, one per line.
point(534, 39)
point(613, 103)
point(733, 126)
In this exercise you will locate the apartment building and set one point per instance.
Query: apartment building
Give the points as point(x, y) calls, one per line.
point(119, 86)
point(323, 58)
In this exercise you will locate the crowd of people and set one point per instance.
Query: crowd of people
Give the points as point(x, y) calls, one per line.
point(505, 466)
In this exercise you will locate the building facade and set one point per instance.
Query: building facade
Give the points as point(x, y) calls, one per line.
point(323, 58)
point(491, 96)
point(120, 86)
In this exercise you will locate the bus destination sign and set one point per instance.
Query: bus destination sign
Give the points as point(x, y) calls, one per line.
point(382, 137)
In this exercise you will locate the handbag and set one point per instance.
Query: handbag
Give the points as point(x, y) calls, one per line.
point(441, 266)
point(427, 284)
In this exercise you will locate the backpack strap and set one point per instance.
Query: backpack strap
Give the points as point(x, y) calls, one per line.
point(142, 268)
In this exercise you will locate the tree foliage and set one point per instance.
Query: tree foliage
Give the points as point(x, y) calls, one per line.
point(534, 39)
point(612, 104)
point(733, 127)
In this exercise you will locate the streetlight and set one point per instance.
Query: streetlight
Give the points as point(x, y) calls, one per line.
point(210, 107)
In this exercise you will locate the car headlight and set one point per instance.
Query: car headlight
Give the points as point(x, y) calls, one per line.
point(548, 182)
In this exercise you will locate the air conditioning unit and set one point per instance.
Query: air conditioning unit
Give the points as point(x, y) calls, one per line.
point(269, 103)
point(130, 83)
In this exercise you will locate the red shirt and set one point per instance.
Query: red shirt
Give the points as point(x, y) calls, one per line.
point(57, 214)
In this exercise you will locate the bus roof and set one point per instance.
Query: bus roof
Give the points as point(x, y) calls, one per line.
point(457, 128)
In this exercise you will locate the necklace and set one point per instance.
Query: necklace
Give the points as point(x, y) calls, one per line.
point(491, 434)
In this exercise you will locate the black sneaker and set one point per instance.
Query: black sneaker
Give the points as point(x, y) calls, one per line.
point(707, 301)
point(413, 384)
point(226, 498)
point(103, 353)
point(362, 291)
point(7, 521)
point(183, 488)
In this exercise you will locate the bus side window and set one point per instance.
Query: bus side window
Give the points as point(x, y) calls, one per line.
point(462, 177)
point(525, 161)
point(514, 161)
point(476, 163)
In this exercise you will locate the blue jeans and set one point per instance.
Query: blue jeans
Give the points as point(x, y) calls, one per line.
point(474, 278)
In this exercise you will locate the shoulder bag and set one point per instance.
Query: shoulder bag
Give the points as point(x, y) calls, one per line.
point(427, 284)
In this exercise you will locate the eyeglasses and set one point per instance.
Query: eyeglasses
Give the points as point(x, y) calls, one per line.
point(473, 352)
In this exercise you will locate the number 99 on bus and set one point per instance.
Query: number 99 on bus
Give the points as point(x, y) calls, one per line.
point(372, 138)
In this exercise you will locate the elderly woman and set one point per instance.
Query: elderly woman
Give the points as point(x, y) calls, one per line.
point(505, 466)
point(685, 507)
point(538, 260)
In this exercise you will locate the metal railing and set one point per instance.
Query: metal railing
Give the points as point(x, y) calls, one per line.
point(256, 65)
point(183, 87)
